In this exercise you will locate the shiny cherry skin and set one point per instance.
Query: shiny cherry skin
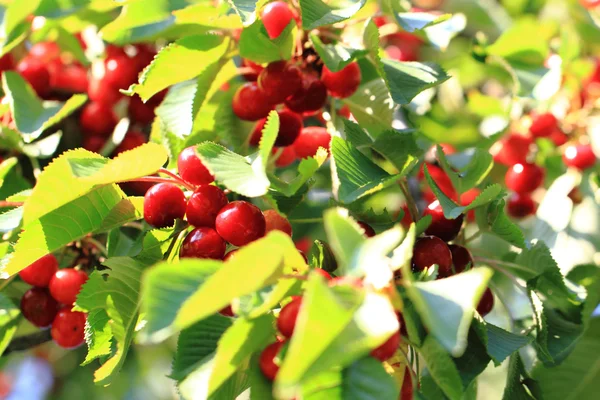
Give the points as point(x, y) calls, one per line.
point(163, 204)
point(68, 328)
point(250, 103)
point(140, 112)
point(36, 73)
point(310, 98)
point(524, 178)
point(286, 157)
point(101, 92)
point(430, 250)
point(204, 205)
point(290, 126)
point(520, 205)
point(120, 71)
point(388, 348)
point(486, 303)
point(40, 272)
point(277, 222)
point(7, 62)
point(368, 230)
point(580, 156)
point(66, 284)
point(266, 360)
point(309, 141)
point(191, 169)
point(461, 258)
point(543, 125)
point(512, 149)
point(279, 80)
point(97, 119)
point(286, 321)
point(589, 4)
point(38, 307)
point(70, 78)
point(132, 139)
point(255, 69)
point(45, 51)
point(343, 83)
point(276, 16)
point(203, 242)
point(445, 229)
point(240, 223)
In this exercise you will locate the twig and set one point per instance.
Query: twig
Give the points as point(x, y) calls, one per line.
point(11, 203)
point(306, 220)
point(177, 178)
point(155, 179)
point(27, 342)
point(97, 245)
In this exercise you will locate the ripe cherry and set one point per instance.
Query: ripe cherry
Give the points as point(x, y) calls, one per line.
point(467, 198)
point(406, 392)
point(286, 157)
point(132, 139)
point(543, 125)
point(267, 363)
point(280, 80)
point(255, 69)
point(71, 78)
point(98, 119)
point(445, 229)
point(250, 103)
point(191, 169)
point(309, 141)
point(45, 51)
point(486, 303)
point(368, 230)
point(240, 223)
point(286, 322)
point(101, 92)
point(40, 272)
point(512, 149)
point(140, 112)
point(66, 284)
point(93, 143)
point(163, 204)
point(520, 205)
point(277, 222)
point(558, 137)
point(38, 307)
point(68, 328)
point(310, 98)
point(461, 258)
point(321, 272)
point(36, 73)
point(403, 46)
point(343, 83)
point(120, 71)
point(203, 242)
point(441, 179)
point(204, 205)
point(227, 311)
point(276, 16)
point(579, 156)
point(388, 348)
point(430, 250)
point(7, 62)
point(524, 178)
point(589, 4)
point(290, 126)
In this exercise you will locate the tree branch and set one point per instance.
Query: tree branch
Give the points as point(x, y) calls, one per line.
point(27, 342)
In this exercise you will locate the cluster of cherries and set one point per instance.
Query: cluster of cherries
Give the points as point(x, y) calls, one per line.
point(49, 301)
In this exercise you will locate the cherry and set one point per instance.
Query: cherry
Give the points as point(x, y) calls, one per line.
point(579, 156)
point(99, 91)
point(266, 360)
point(543, 125)
point(240, 223)
point(558, 137)
point(445, 229)
point(403, 46)
point(132, 139)
point(140, 112)
point(344, 112)
point(66, 284)
point(203, 242)
point(310, 98)
point(467, 198)
point(524, 178)
point(461, 258)
point(321, 272)
point(280, 80)
point(227, 311)
point(144, 56)
point(120, 71)
point(520, 205)
point(68, 328)
point(45, 51)
point(368, 230)
point(406, 392)
point(406, 217)
point(286, 157)
point(93, 143)
point(98, 119)
point(163, 204)
point(512, 149)
point(290, 126)
point(430, 250)
point(70, 78)
point(191, 169)
point(441, 179)
point(286, 322)
point(40, 272)
point(486, 303)
point(204, 205)
point(303, 244)
point(589, 4)
point(255, 69)
point(38, 307)
point(388, 348)
point(309, 141)
point(277, 222)
point(7, 62)
point(36, 73)
point(343, 83)
point(276, 16)
point(250, 103)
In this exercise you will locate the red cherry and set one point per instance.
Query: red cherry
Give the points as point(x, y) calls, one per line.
point(322, 272)
point(203, 242)
point(99, 91)
point(579, 156)
point(343, 83)
point(286, 157)
point(98, 119)
point(440, 177)
point(68, 328)
point(406, 218)
point(445, 229)
point(589, 4)
point(227, 311)
point(558, 137)
point(403, 46)
point(191, 169)
point(286, 322)
point(280, 80)
point(163, 204)
point(520, 205)
point(132, 139)
point(204, 205)
point(277, 222)
point(309, 141)
point(36, 73)
point(303, 244)
point(543, 125)
point(250, 103)
point(255, 68)
point(310, 98)
point(486, 303)
point(40, 272)
point(240, 223)
point(344, 112)
point(368, 230)
point(467, 198)
point(290, 126)
point(406, 393)
point(7, 62)
point(512, 149)
point(524, 178)
point(461, 258)
point(267, 360)
point(388, 348)
point(144, 56)
point(140, 112)
point(45, 51)
point(120, 71)
point(70, 78)
point(276, 16)
point(430, 250)
point(38, 307)
point(66, 284)
point(93, 143)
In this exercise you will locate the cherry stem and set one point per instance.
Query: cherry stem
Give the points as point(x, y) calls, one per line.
point(177, 178)
point(11, 203)
point(27, 342)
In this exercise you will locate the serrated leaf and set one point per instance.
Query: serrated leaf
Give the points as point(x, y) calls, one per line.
point(493, 219)
point(408, 79)
point(517, 376)
point(475, 358)
point(316, 13)
point(267, 138)
point(501, 344)
point(441, 367)
point(127, 210)
point(213, 16)
point(11, 219)
point(9, 321)
point(366, 379)
point(400, 148)
point(335, 56)
point(478, 167)
point(246, 9)
point(306, 170)
point(98, 335)
point(255, 44)
point(372, 106)
point(343, 234)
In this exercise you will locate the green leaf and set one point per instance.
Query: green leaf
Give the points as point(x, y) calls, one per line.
point(256, 46)
point(306, 170)
point(11, 219)
point(316, 13)
point(213, 16)
point(366, 379)
point(515, 388)
point(408, 79)
point(335, 56)
point(475, 358)
point(43, 148)
point(414, 21)
point(15, 13)
point(9, 321)
point(400, 148)
point(442, 369)
point(98, 335)
point(521, 44)
point(344, 236)
point(493, 219)
point(246, 9)
point(472, 174)
point(267, 138)
point(501, 344)
point(126, 210)
point(372, 106)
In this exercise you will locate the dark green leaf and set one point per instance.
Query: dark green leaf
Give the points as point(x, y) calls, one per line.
point(335, 56)
point(255, 44)
point(408, 79)
point(366, 379)
point(442, 368)
point(316, 13)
